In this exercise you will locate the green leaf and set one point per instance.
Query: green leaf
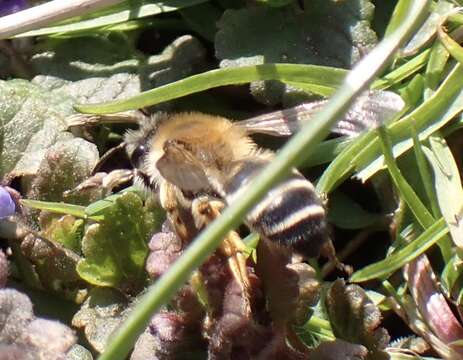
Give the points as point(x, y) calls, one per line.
point(310, 75)
point(412, 94)
point(202, 18)
point(296, 37)
point(347, 214)
point(435, 68)
point(100, 314)
point(128, 10)
point(447, 185)
point(451, 45)
point(58, 208)
point(364, 152)
point(31, 121)
point(115, 249)
point(401, 257)
point(430, 116)
point(98, 208)
point(409, 193)
point(452, 279)
point(101, 69)
point(428, 29)
point(411, 67)
point(425, 175)
point(65, 230)
point(143, 24)
point(399, 15)
point(422, 215)
point(319, 327)
point(326, 151)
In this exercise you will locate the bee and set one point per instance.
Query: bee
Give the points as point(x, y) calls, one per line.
point(188, 156)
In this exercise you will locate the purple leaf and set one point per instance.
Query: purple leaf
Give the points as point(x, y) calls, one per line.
point(432, 304)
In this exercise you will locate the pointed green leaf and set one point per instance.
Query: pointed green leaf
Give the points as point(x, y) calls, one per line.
point(58, 208)
point(401, 257)
point(447, 185)
point(117, 14)
point(311, 75)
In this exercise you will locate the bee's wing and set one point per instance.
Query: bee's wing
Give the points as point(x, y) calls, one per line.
point(283, 122)
point(180, 167)
point(370, 110)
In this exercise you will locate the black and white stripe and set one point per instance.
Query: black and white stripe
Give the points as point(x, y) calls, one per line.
point(290, 214)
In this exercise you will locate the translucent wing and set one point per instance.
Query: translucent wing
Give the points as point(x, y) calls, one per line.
point(370, 110)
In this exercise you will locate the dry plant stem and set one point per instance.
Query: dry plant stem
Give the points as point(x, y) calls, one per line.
point(126, 117)
point(48, 13)
point(348, 250)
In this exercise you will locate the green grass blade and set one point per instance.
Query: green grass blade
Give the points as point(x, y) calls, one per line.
point(129, 10)
point(96, 208)
point(132, 25)
point(447, 186)
point(436, 65)
point(329, 77)
point(320, 327)
point(58, 208)
point(399, 16)
point(411, 67)
point(421, 213)
point(425, 174)
point(344, 163)
point(451, 45)
point(401, 257)
point(431, 115)
point(364, 154)
point(406, 192)
point(293, 153)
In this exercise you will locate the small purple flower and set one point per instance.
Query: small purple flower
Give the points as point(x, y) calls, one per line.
point(7, 206)
point(11, 6)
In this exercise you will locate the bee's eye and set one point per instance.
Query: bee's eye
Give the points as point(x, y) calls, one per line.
point(137, 155)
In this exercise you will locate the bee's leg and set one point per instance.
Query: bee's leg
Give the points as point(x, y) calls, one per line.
point(178, 213)
point(205, 211)
point(128, 117)
point(106, 182)
point(329, 253)
point(233, 248)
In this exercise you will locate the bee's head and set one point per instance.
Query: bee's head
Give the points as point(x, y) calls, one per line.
point(138, 141)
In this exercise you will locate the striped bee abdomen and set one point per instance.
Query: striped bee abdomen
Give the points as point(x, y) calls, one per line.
point(290, 214)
